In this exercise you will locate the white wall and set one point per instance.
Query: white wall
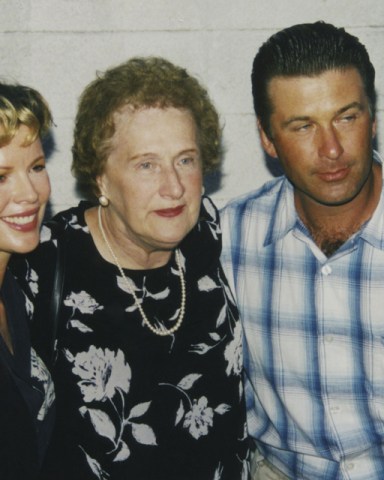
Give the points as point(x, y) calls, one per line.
point(56, 46)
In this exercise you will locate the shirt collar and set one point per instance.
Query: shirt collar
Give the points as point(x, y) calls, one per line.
point(283, 216)
point(373, 231)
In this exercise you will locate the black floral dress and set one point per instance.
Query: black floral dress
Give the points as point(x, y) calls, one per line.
point(132, 405)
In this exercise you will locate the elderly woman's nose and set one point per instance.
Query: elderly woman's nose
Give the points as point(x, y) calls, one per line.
point(171, 184)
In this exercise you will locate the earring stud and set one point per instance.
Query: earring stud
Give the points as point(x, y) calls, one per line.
point(103, 200)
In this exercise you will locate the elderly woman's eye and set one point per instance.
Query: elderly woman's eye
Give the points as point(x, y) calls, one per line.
point(145, 165)
point(186, 160)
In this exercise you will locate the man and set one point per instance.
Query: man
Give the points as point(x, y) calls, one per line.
point(305, 257)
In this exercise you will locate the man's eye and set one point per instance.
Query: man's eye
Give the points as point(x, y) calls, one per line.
point(348, 118)
point(303, 128)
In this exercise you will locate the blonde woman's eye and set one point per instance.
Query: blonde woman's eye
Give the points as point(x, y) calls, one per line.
point(38, 168)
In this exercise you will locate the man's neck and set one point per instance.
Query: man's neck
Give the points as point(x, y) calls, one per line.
point(331, 226)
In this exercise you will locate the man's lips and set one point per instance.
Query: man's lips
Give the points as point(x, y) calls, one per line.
point(22, 221)
point(170, 212)
point(334, 176)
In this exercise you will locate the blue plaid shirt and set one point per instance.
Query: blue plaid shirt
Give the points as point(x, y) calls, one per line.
point(314, 337)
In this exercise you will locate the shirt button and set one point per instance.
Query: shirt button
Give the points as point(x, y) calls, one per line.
point(350, 466)
point(326, 269)
point(335, 409)
point(329, 338)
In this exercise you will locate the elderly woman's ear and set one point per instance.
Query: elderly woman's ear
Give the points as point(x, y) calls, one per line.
point(101, 194)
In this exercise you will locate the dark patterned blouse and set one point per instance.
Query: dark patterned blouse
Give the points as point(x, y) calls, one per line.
point(26, 394)
point(133, 405)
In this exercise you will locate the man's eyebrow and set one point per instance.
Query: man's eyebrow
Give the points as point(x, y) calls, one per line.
point(357, 105)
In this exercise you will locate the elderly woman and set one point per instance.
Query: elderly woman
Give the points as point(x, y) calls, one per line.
point(26, 389)
point(148, 349)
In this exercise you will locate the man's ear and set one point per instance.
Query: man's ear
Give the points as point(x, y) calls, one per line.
point(374, 128)
point(266, 142)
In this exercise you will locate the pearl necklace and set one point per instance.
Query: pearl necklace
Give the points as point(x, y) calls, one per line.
point(162, 331)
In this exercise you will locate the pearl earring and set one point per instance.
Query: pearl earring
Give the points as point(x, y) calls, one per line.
point(202, 191)
point(103, 200)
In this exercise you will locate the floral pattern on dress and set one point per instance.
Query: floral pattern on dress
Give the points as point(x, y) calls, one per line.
point(32, 279)
point(104, 375)
point(199, 417)
point(83, 302)
point(233, 352)
point(43, 379)
point(127, 392)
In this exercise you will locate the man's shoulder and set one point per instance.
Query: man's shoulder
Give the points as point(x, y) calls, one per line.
point(261, 199)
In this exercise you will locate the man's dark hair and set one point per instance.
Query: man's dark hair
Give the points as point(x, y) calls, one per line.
point(308, 50)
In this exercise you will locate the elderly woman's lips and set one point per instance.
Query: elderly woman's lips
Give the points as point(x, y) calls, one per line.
point(170, 212)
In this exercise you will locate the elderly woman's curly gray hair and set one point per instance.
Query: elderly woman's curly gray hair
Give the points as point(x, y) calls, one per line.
point(142, 83)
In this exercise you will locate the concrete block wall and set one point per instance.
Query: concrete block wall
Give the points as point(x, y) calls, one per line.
point(56, 46)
